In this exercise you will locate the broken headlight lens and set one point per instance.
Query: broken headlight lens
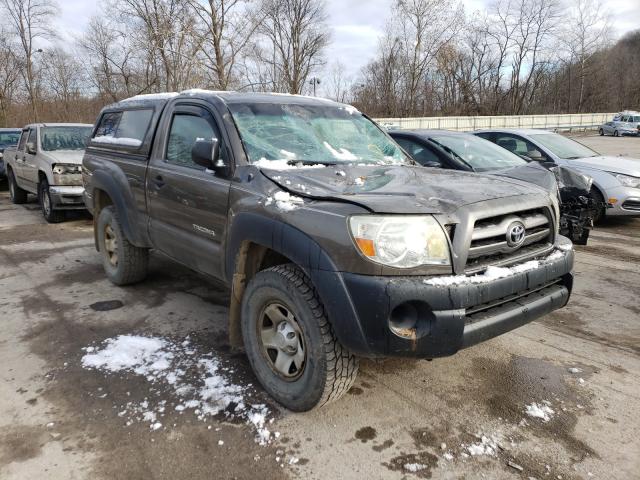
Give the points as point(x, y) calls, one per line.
point(400, 241)
point(628, 181)
point(66, 169)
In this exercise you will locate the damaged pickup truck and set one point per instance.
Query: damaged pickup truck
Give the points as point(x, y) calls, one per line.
point(334, 243)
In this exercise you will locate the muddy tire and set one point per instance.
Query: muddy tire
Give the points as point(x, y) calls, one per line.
point(46, 205)
point(290, 342)
point(123, 262)
point(18, 195)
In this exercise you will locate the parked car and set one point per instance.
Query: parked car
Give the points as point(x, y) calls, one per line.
point(625, 123)
point(47, 163)
point(8, 138)
point(463, 151)
point(335, 245)
point(616, 180)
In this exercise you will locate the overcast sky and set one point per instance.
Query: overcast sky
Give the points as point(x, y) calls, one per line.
point(356, 24)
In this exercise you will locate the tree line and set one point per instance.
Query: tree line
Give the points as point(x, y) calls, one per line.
point(516, 57)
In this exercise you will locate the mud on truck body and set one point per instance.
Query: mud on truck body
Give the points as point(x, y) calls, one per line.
point(335, 245)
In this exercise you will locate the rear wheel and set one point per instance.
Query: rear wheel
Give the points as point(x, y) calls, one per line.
point(17, 194)
point(615, 133)
point(123, 262)
point(49, 214)
point(290, 343)
point(601, 132)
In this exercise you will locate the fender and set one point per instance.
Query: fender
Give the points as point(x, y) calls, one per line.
point(303, 251)
point(114, 183)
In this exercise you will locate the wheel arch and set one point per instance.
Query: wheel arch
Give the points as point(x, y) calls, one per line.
point(256, 243)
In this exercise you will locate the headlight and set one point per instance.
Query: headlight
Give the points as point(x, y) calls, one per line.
point(628, 181)
point(66, 169)
point(400, 241)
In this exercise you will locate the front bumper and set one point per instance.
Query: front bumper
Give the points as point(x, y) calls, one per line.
point(627, 201)
point(446, 319)
point(67, 197)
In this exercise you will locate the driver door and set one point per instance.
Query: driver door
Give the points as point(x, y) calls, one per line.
point(187, 204)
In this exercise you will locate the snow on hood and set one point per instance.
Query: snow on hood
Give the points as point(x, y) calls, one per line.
point(416, 189)
point(64, 156)
point(624, 165)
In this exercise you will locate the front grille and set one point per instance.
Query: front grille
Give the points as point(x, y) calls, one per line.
point(489, 244)
point(632, 205)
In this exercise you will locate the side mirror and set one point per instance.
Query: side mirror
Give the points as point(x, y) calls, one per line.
point(206, 153)
point(31, 148)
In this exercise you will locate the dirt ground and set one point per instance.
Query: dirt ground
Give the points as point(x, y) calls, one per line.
point(402, 419)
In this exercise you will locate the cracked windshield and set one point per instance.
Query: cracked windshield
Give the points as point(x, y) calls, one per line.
point(312, 134)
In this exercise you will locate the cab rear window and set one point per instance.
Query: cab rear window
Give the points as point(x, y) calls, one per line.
point(126, 128)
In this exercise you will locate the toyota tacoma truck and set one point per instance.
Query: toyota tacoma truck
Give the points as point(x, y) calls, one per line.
point(334, 244)
point(47, 163)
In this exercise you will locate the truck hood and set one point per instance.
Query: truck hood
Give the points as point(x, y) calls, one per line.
point(64, 156)
point(624, 165)
point(398, 189)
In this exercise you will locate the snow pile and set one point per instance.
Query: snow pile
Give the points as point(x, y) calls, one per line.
point(342, 154)
point(285, 201)
point(359, 181)
point(350, 109)
point(152, 96)
point(207, 390)
point(540, 410)
point(486, 446)
point(492, 273)
point(574, 370)
point(283, 164)
point(123, 141)
point(414, 467)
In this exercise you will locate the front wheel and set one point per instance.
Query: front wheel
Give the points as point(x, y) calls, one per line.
point(601, 132)
point(615, 133)
point(601, 207)
point(49, 214)
point(290, 343)
point(123, 262)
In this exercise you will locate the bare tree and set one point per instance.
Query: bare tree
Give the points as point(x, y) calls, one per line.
point(227, 29)
point(64, 80)
point(30, 21)
point(338, 86)
point(295, 34)
point(9, 78)
point(587, 31)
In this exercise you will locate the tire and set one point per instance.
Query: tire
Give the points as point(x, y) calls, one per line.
point(46, 205)
point(599, 199)
point(324, 371)
point(18, 195)
point(615, 133)
point(601, 132)
point(123, 262)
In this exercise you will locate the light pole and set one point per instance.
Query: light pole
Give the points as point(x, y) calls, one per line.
point(314, 81)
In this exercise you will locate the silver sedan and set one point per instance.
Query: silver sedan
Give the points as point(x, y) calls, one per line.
point(616, 180)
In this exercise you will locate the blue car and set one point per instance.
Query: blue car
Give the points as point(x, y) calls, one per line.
point(8, 138)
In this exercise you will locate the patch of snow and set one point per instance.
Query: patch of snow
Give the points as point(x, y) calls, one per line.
point(491, 273)
point(359, 181)
point(342, 154)
point(447, 456)
point(581, 381)
point(341, 173)
point(282, 164)
point(574, 370)
point(124, 141)
point(543, 411)
point(414, 467)
point(288, 155)
point(285, 201)
point(293, 460)
point(350, 109)
point(207, 392)
point(486, 446)
point(152, 96)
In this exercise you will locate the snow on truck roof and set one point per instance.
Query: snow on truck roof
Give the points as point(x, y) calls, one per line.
point(234, 97)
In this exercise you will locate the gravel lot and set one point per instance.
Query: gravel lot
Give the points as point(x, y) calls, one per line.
point(458, 417)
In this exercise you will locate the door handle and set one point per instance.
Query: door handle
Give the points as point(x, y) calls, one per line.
point(159, 181)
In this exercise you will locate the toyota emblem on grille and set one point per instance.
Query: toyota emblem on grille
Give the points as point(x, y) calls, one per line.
point(516, 234)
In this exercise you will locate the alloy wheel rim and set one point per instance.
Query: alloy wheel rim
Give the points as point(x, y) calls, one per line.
point(111, 245)
point(282, 342)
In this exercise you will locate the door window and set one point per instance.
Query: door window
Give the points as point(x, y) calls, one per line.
point(520, 146)
point(32, 137)
point(185, 130)
point(418, 152)
point(23, 139)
